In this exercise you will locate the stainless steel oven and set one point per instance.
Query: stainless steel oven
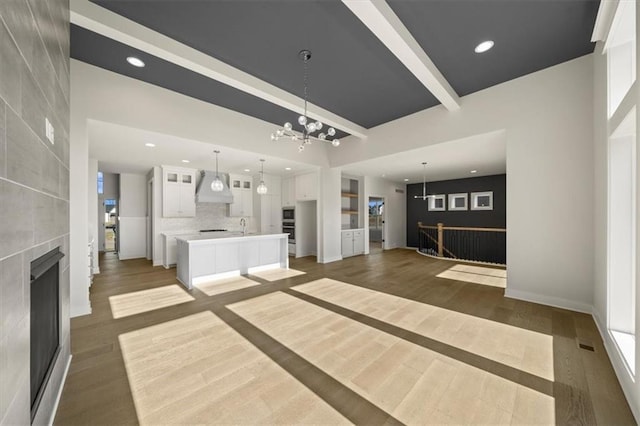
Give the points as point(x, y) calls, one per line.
point(288, 215)
point(291, 230)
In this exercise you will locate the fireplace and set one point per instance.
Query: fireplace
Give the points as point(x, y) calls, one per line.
point(45, 322)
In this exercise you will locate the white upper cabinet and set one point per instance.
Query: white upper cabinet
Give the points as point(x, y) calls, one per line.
point(289, 192)
point(241, 188)
point(306, 187)
point(178, 192)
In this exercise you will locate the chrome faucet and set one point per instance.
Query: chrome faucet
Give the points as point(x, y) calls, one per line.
point(243, 223)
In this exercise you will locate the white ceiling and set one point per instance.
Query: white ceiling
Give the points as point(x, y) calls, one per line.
point(121, 149)
point(485, 153)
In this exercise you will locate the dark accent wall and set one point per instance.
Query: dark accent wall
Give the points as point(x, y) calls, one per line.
point(417, 208)
point(34, 188)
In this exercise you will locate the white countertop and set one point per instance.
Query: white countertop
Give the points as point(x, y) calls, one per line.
point(213, 236)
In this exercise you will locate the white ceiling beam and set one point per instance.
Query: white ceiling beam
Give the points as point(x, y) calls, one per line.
point(378, 16)
point(102, 21)
point(606, 12)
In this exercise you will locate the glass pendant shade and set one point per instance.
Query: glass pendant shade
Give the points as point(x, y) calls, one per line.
point(262, 188)
point(217, 185)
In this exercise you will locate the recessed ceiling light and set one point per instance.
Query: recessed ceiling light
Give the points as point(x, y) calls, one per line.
point(149, 144)
point(287, 168)
point(247, 170)
point(136, 62)
point(406, 180)
point(473, 171)
point(484, 46)
point(185, 161)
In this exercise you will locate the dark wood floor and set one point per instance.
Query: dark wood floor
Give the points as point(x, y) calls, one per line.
point(98, 390)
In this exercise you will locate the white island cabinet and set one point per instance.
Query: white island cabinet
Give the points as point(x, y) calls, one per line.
point(202, 257)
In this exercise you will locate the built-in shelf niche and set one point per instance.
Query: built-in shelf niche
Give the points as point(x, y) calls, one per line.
point(350, 203)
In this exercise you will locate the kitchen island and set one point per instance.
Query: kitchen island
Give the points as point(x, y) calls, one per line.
point(204, 257)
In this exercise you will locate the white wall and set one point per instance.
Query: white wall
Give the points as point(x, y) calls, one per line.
point(329, 242)
point(78, 210)
point(546, 116)
point(132, 230)
point(395, 211)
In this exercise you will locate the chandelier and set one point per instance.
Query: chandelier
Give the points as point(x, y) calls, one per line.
point(424, 195)
point(309, 128)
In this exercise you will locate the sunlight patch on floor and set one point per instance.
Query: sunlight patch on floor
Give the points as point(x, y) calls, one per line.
point(198, 370)
point(412, 383)
point(476, 274)
point(516, 347)
point(124, 305)
point(277, 274)
point(224, 285)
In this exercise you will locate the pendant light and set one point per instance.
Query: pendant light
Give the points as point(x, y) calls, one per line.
point(424, 195)
point(217, 185)
point(262, 188)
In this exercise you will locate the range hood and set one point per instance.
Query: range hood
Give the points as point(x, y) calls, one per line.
point(204, 194)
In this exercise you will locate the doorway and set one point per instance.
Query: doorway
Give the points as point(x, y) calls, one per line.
point(110, 225)
point(376, 224)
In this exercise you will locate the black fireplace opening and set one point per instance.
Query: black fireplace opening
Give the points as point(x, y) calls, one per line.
point(45, 322)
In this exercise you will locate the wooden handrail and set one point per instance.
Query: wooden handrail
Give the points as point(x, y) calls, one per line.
point(440, 228)
point(462, 228)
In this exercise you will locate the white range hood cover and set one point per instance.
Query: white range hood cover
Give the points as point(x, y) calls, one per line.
point(204, 194)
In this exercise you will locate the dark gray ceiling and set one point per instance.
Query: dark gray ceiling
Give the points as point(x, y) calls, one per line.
point(529, 35)
point(352, 73)
point(106, 53)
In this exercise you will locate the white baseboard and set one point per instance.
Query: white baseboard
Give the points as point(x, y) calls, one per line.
point(59, 394)
point(331, 259)
point(556, 302)
point(96, 270)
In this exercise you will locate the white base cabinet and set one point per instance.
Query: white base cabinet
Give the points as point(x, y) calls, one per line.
point(352, 242)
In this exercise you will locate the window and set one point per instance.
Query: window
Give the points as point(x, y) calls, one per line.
point(622, 220)
point(100, 183)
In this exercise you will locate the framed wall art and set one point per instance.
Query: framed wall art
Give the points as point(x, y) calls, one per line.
point(437, 203)
point(482, 200)
point(458, 202)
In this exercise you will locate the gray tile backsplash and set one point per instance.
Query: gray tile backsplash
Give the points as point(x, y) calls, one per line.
point(34, 187)
point(208, 216)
